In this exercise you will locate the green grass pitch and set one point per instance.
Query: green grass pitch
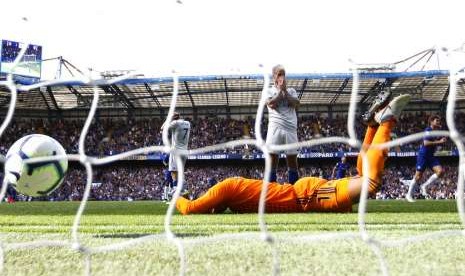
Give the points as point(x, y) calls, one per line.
point(105, 223)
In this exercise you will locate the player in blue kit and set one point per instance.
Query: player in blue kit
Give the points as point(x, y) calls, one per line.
point(342, 169)
point(167, 184)
point(426, 158)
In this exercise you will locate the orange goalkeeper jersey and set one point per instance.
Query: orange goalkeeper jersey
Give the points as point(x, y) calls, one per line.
point(242, 195)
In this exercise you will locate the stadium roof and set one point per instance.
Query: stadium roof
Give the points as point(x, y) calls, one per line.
point(232, 90)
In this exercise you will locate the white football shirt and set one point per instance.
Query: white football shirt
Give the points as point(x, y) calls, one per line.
point(180, 131)
point(284, 115)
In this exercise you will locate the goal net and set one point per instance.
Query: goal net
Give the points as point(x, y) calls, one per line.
point(86, 251)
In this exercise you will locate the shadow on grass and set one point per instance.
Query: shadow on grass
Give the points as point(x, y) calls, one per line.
point(155, 208)
point(140, 235)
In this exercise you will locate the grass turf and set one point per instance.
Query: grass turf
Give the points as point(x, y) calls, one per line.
point(105, 223)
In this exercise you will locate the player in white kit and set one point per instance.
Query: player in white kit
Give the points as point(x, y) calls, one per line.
point(282, 122)
point(179, 131)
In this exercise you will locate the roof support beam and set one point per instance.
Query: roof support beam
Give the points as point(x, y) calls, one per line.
point(443, 105)
point(226, 91)
point(111, 91)
point(446, 95)
point(152, 95)
point(78, 95)
point(378, 86)
point(45, 99)
point(340, 90)
point(122, 96)
point(425, 53)
point(424, 82)
point(372, 90)
point(460, 84)
point(50, 93)
point(302, 89)
point(5, 101)
point(114, 90)
point(189, 94)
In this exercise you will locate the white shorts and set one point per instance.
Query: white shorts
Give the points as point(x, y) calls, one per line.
point(279, 136)
point(172, 163)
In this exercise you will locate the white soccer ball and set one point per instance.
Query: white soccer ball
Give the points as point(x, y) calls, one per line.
point(35, 179)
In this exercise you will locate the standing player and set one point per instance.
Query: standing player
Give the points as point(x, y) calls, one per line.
point(426, 158)
point(308, 193)
point(342, 169)
point(167, 178)
point(282, 126)
point(179, 130)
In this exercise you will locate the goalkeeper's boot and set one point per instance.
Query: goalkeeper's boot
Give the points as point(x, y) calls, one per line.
point(379, 102)
point(393, 109)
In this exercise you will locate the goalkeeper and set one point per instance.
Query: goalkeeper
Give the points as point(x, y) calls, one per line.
point(308, 194)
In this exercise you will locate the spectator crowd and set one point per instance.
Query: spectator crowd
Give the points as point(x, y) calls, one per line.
point(112, 136)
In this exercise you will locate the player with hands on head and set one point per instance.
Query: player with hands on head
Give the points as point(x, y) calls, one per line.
point(282, 123)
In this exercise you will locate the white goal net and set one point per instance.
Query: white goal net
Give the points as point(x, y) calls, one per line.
point(378, 246)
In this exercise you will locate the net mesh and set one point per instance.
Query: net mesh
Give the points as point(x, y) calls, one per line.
point(376, 245)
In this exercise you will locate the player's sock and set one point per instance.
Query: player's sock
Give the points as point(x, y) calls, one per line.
point(292, 176)
point(376, 156)
point(411, 186)
point(171, 191)
point(430, 180)
point(165, 159)
point(165, 193)
point(173, 187)
point(168, 177)
point(369, 135)
point(273, 176)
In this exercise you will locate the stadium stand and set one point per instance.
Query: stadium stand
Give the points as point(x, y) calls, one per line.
point(221, 109)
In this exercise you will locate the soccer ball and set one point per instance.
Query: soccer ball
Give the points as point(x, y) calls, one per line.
point(35, 179)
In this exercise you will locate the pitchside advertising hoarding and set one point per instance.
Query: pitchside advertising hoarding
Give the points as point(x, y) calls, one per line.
point(310, 155)
point(30, 65)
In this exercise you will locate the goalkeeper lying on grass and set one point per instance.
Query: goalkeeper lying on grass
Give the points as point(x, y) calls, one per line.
point(308, 194)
